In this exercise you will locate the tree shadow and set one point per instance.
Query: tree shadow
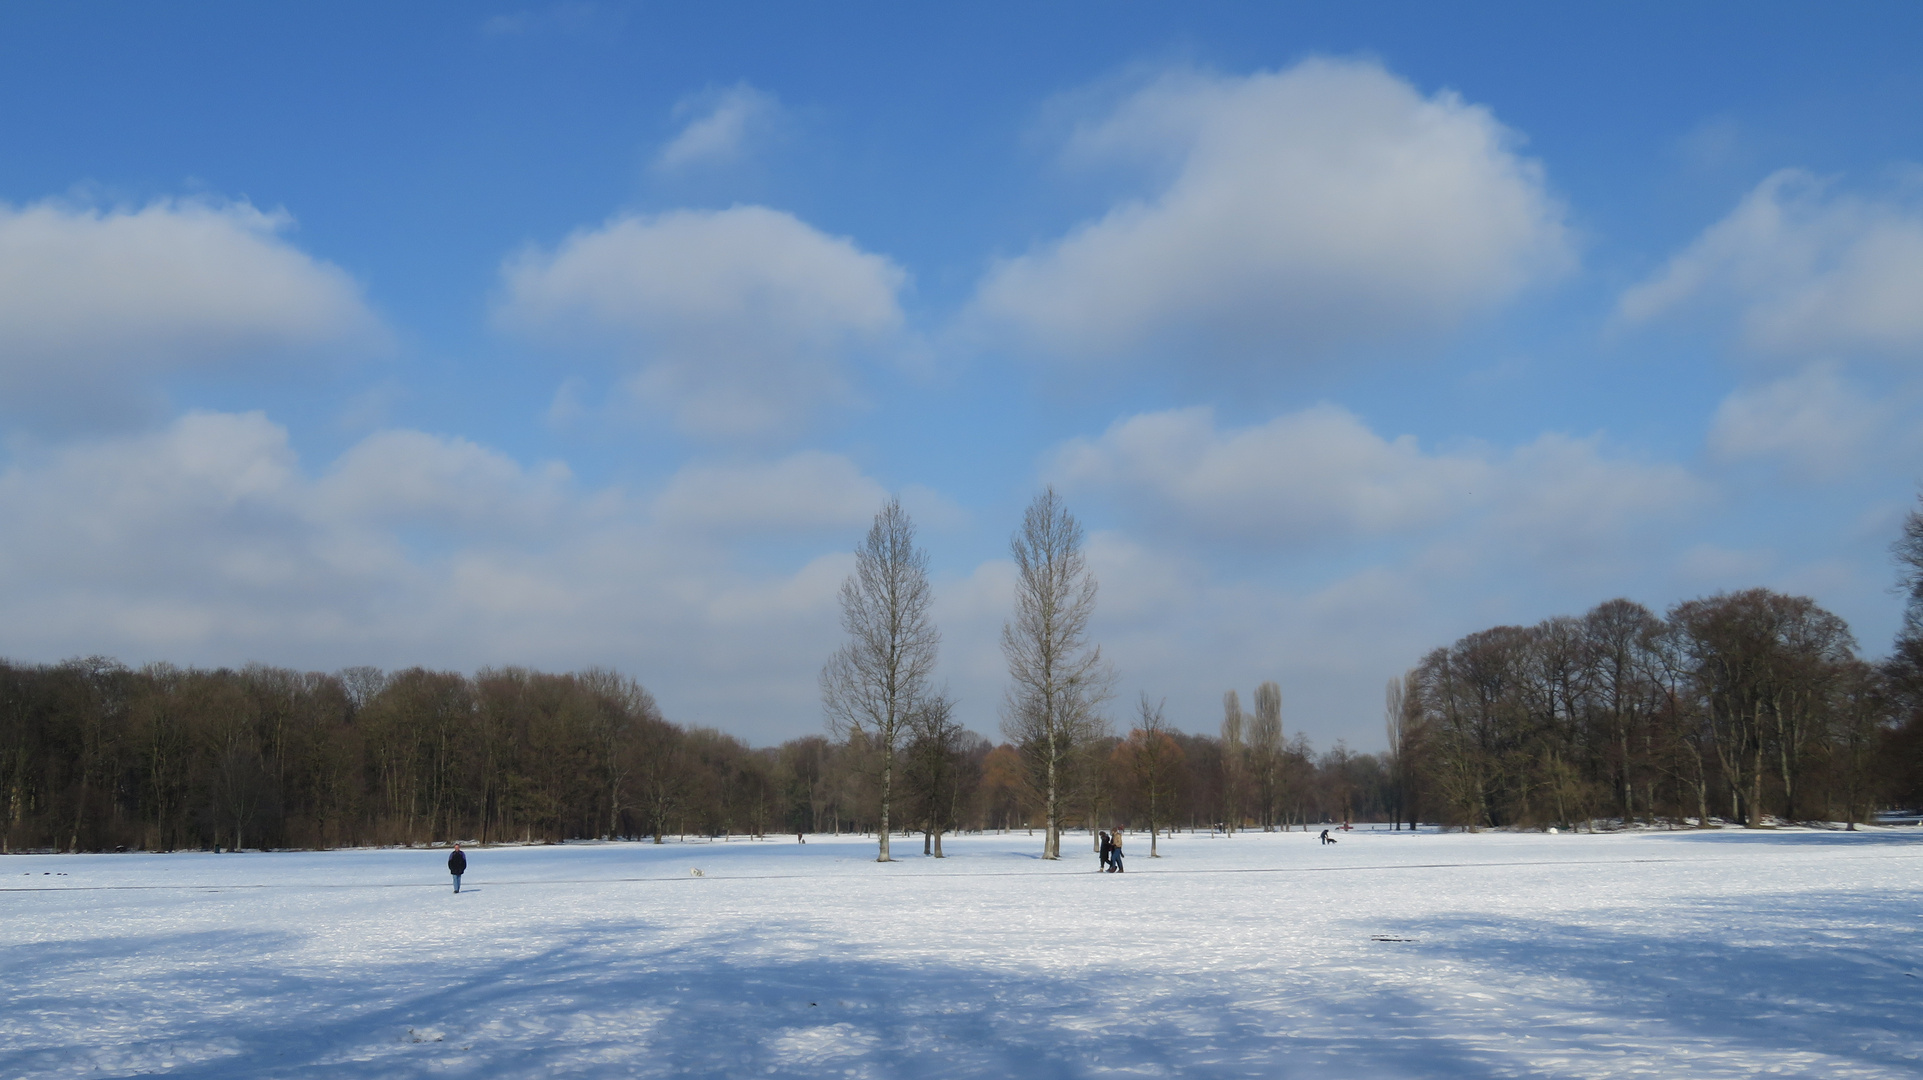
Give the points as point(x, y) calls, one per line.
point(705, 1008)
point(627, 996)
point(1799, 838)
point(1782, 979)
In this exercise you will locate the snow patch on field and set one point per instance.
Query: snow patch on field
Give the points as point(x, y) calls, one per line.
point(1635, 954)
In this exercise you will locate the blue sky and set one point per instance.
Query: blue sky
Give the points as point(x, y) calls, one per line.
point(594, 334)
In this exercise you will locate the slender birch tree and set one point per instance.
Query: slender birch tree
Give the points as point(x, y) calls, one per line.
point(1057, 678)
point(874, 683)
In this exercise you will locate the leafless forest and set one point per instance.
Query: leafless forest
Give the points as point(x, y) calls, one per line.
point(1748, 707)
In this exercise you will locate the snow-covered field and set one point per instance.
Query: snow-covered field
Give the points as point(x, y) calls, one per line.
point(1651, 954)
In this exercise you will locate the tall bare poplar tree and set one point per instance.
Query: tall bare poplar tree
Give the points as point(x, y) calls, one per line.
point(1234, 767)
point(874, 683)
point(1397, 719)
point(1265, 752)
point(1057, 678)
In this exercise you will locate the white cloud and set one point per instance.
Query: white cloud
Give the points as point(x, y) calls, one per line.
point(1707, 567)
point(804, 491)
point(722, 127)
point(1321, 476)
point(1328, 204)
point(1316, 473)
point(1312, 550)
point(1564, 501)
point(1814, 422)
point(95, 303)
point(209, 541)
point(1804, 271)
point(138, 512)
point(737, 321)
point(413, 478)
point(1137, 581)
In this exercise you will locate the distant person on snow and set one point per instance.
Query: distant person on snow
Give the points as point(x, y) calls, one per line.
point(1108, 849)
point(1326, 838)
point(1115, 854)
point(457, 865)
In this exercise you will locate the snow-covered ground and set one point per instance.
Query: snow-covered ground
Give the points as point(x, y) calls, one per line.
point(1650, 954)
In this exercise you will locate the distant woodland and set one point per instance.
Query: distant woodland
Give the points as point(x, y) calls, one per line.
point(1749, 708)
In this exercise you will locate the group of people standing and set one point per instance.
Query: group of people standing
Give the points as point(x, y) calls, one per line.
point(1111, 853)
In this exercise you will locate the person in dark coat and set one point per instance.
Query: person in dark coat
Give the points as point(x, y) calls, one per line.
point(1108, 846)
point(457, 865)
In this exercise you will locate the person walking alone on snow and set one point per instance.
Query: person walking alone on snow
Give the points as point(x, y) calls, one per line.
point(457, 865)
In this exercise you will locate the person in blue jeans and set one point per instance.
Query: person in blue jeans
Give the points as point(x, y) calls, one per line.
point(457, 865)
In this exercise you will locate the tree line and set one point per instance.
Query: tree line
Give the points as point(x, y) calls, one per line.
point(96, 756)
point(1746, 706)
point(1749, 706)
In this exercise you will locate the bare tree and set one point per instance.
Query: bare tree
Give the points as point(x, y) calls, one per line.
point(1908, 550)
point(1155, 759)
point(1903, 670)
point(1265, 752)
point(1760, 660)
point(1620, 639)
point(619, 705)
point(663, 775)
point(1860, 727)
point(874, 683)
point(1396, 718)
point(1234, 766)
point(937, 768)
point(1057, 678)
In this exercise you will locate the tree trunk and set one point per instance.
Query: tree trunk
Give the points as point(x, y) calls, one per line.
point(887, 783)
point(1051, 836)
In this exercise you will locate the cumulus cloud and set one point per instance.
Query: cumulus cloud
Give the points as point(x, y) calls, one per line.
point(1323, 476)
point(217, 504)
point(1803, 269)
point(413, 478)
point(1319, 472)
point(98, 302)
point(722, 127)
point(738, 322)
point(210, 541)
point(804, 491)
point(1314, 550)
point(1325, 205)
point(1564, 499)
point(1814, 422)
